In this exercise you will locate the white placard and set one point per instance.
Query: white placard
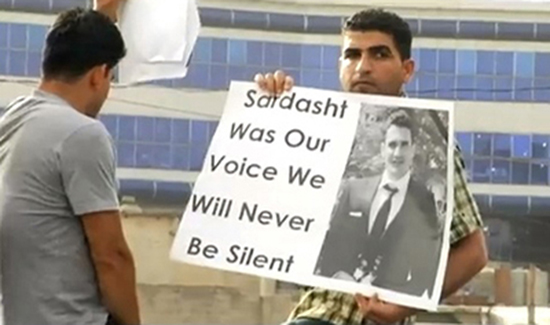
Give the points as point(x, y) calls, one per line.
point(289, 185)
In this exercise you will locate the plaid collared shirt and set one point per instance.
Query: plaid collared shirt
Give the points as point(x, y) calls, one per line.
point(341, 308)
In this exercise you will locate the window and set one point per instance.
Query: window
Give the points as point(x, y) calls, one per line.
point(502, 145)
point(539, 173)
point(522, 146)
point(482, 144)
point(520, 173)
point(482, 171)
point(501, 171)
point(540, 146)
point(465, 141)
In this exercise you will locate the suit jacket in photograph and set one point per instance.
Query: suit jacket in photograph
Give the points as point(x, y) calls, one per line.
point(409, 251)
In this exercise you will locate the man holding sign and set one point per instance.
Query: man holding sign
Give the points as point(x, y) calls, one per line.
point(376, 59)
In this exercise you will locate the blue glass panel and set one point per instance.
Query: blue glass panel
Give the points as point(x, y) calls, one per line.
point(542, 90)
point(254, 53)
point(127, 128)
point(37, 36)
point(34, 64)
point(199, 132)
point(501, 171)
point(17, 63)
point(18, 36)
point(197, 155)
point(426, 84)
point(272, 54)
point(181, 131)
point(523, 89)
point(465, 140)
point(428, 60)
point(4, 35)
point(291, 55)
point(180, 157)
point(163, 130)
point(237, 51)
point(445, 87)
point(238, 73)
point(484, 88)
point(539, 173)
point(331, 54)
point(522, 146)
point(542, 66)
point(482, 144)
point(540, 146)
point(311, 78)
point(330, 80)
point(111, 123)
point(481, 171)
point(520, 173)
point(126, 155)
point(162, 156)
point(525, 64)
point(505, 63)
point(203, 50)
point(145, 155)
point(504, 88)
point(466, 62)
point(145, 129)
point(311, 56)
point(486, 63)
point(447, 61)
point(465, 88)
point(219, 50)
point(219, 75)
point(502, 145)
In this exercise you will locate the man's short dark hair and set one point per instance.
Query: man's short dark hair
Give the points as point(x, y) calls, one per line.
point(402, 120)
point(385, 22)
point(79, 40)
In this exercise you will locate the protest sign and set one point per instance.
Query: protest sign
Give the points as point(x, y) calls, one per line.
point(291, 189)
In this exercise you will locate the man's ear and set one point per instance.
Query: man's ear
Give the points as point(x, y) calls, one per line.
point(98, 75)
point(408, 70)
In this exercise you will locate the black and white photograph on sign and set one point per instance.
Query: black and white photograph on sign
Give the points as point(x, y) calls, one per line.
point(387, 228)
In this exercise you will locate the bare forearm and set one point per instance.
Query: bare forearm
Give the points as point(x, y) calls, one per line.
point(466, 260)
point(117, 281)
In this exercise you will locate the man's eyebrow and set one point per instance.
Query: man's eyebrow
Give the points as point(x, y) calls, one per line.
point(376, 48)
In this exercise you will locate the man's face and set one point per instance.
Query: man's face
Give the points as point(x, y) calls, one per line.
point(370, 63)
point(398, 151)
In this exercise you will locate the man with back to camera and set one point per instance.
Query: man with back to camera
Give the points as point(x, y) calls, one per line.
point(385, 228)
point(376, 59)
point(64, 256)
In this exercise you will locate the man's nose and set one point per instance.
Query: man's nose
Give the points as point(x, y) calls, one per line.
point(398, 151)
point(365, 64)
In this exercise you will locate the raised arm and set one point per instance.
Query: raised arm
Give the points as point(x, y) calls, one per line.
point(108, 7)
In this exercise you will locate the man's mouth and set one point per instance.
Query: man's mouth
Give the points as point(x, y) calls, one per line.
point(397, 163)
point(364, 83)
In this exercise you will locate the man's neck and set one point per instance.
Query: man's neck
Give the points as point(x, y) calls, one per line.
point(395, 179)
point(66, 92)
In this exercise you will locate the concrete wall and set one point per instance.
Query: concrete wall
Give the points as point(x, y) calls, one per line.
point(174, 293)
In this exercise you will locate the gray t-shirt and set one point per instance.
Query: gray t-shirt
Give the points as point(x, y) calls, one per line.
point(56, 164)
